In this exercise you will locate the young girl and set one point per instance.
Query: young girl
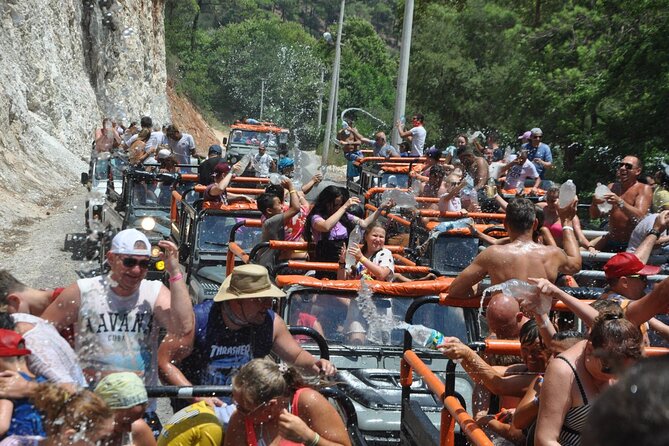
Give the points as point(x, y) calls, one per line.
point(374, 262)
point(276, 407)
point(73, 419)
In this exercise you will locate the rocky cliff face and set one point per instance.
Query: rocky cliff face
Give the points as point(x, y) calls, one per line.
point(63, 67)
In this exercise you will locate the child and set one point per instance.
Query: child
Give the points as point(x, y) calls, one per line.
point(126, 396)
point(449, 200)
point(276, 226)
point(19, 416)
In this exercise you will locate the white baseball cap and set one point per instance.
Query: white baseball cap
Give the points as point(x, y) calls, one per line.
point(163, 153)
point(131, 242)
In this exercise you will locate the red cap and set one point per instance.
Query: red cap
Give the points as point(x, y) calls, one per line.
point(221, 168)
point(12, 344)
point(626, 264)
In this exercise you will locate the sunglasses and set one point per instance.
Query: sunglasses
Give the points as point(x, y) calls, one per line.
point(536, 137)
point(638, 276)
point(131, 262)
point(627, 166)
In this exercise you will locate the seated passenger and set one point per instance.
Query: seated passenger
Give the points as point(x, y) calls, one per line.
point(329, 222)
point(276, 225)
point(216, 191)
point(276, 406)
point(449, 200)
point(374, 262)
point(551, 220)
point(125, 395)
point(18, 416)
point(577, 376)
point(518, 170)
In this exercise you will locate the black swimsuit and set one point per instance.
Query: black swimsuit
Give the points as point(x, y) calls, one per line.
point(576, 417)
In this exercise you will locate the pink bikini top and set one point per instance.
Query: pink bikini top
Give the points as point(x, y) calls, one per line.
point(251, 433)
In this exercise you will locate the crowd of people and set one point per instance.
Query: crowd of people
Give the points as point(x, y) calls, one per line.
point(75, 361)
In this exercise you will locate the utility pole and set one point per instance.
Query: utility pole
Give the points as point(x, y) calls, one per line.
point(262, 97)
point(334, 85)
point(403, 74)
point(320, 99)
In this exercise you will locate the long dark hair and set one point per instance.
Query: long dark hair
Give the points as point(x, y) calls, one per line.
point(327, 196)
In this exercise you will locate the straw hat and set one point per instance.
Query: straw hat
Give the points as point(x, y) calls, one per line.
point(246, 282)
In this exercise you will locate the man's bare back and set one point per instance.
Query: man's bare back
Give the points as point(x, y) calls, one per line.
point(522, 258)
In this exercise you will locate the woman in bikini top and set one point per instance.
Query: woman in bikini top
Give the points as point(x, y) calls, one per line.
point(581, 373)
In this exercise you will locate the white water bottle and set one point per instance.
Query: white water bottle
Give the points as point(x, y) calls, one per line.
point(354, 238)
point(424, 336)
point(600, 191)
point(567, 194)
point(527, 295)
point(448, 225)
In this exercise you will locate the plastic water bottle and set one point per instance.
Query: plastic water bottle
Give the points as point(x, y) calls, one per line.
point(600, 191)
point(491, 188)
point(425, 336)
point(567, 194)
point(403, 119)
point(276, 178)
point(400, 198)
point(453, 224)
point(354, 238)
point(526, 294)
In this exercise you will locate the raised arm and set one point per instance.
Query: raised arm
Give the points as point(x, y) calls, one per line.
point(325, 225)
point(174, 309)
point(463, 285)
point(645, 248)
point(294, 208)
point(371, 218)
point(290, 351)
point(572, 262)
point(64, 311)
point(655, 302)
point(482, 372)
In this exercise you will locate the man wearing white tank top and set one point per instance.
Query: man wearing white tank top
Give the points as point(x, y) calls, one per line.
point(117, 317)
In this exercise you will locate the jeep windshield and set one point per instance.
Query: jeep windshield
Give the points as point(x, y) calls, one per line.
point(214, 233)
point(102, 167)
point(342, 321)
point(251, 138)
point(155, 223)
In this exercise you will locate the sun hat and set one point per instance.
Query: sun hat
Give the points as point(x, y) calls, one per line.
point(131, 242)
point(12, 344)
point(122, 390)
point(246, 282)
point(525, 135)
point(626, 264)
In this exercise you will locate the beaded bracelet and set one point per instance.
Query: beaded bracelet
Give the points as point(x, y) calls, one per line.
point(175, 278)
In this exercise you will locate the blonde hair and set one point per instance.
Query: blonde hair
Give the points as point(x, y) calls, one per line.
point(262, 379)
point(81, 411)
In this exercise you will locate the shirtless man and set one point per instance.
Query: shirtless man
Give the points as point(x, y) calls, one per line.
point(475, 166)
point(522, 258)
point(631, 202)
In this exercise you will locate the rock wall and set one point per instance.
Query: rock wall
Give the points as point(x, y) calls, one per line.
point(63, 67)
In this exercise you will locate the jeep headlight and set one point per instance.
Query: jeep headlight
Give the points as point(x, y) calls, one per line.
point(148, 223)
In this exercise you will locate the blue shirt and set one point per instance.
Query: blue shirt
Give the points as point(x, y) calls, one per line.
point(543, 152)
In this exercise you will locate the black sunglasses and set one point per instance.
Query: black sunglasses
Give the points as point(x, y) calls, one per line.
point(627, 166)
point(131, 262)
point(536, 137)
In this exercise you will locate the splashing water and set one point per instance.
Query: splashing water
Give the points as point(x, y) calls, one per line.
point(378, 325)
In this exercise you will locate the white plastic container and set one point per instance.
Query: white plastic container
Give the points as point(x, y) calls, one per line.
point(600, 192)
point(567, 194)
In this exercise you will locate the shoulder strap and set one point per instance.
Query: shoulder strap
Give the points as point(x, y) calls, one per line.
point(578, 381)
point(250, 432)
point(296, 399)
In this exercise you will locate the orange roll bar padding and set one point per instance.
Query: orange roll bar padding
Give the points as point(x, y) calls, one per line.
point(467, 424)
point(526, 191)
point(408, 289)
point(400, 220)
point(200, 188)
point(379, 190)
point(189, 177)
point(176, 197)
point(331, 266)
point(234, 250)
point(232, 207)
point(303, 246)
point(512, 347)
point(430, 225)
point(457, 215)
point(251, 180)
point(401, 260)
point(395, 159)
point(476, 303)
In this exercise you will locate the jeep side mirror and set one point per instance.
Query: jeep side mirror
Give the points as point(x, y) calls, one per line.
point(225, 141)
point(84, 178)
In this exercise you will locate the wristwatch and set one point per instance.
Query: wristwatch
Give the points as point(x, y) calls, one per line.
point(621, 204)
point(654, 232)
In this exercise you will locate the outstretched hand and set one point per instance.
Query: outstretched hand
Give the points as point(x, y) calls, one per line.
point(170, 255)
point(569, 212)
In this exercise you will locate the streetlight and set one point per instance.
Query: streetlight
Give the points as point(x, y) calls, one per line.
point(332, 105)
point(403, 74)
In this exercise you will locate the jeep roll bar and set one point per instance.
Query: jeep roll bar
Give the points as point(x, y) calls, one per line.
point(313, 334)
point(331, 266)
